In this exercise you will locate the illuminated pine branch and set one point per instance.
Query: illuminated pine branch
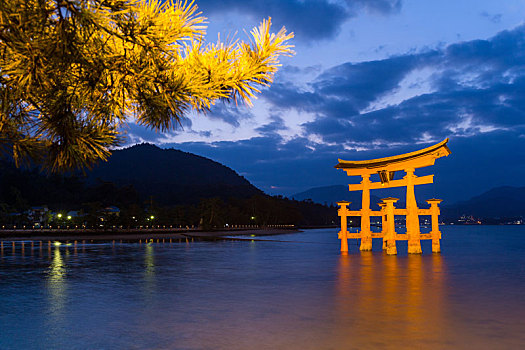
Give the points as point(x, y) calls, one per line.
point(73, 71)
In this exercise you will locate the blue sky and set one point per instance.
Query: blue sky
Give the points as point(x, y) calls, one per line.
point(372, 78)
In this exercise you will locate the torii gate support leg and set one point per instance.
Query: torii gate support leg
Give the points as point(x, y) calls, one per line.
point(366, 234)
point(435, 233)
point(391, 248)
point(384, 228)
point(412, 218)
point(343, 234)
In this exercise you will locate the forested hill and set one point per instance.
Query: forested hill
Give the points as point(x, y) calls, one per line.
point(139, 174)
point(171, 176)
point(176, 187)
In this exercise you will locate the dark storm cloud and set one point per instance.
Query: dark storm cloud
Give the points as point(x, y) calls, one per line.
point(288, 95)
point(503, 51)
point(348, 88)
point(309, 19)
point(207, 134)
point(276, 124)
point(290, 70)
point(364, 82)
point(228, 113)
point(494, 18)
point(477, 86)
point(380, 6)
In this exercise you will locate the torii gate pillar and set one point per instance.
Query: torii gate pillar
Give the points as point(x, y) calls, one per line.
point(366, 233)
point(390, 234)
point(384, 228)
point(412, 218)
point(435, 233)
point(343, 234)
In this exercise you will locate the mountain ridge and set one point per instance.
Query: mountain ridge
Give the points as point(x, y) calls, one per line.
point(171, 176)
point(502, 201)
point(498, 202)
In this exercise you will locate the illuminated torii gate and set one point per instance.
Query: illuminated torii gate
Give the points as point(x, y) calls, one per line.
point(386, 168)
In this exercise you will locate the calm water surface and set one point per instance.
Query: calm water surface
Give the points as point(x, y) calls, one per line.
point(295, 293)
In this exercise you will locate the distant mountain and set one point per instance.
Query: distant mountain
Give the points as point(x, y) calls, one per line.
point(498, 202)
point(171, 176)
point(334, 194)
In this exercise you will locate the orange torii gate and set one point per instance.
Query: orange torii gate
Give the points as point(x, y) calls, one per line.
point(386, 168)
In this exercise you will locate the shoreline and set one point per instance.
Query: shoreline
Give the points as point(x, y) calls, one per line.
point(139, 236)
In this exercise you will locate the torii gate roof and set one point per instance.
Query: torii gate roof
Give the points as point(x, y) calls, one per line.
point(418, 159)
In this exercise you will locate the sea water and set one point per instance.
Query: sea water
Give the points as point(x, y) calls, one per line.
point(292, 291)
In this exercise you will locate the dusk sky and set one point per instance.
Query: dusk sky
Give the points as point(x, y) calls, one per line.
point(370, 79)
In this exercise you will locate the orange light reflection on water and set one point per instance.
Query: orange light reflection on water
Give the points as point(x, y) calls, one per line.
point(375, 302)
point(390, 302)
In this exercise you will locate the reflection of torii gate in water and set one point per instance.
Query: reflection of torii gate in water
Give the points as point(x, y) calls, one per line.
point(386, 168)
